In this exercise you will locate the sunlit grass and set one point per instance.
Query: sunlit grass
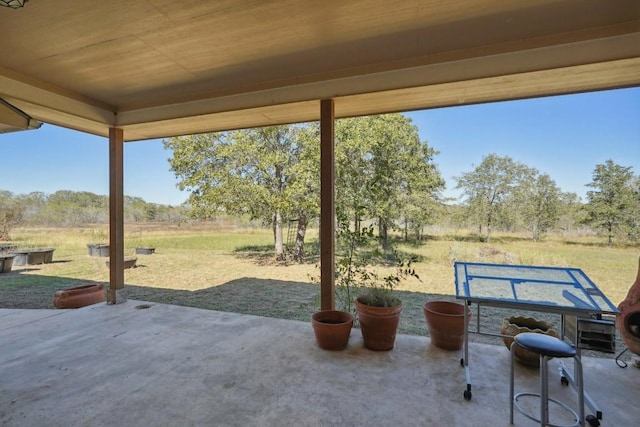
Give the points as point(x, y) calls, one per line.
point(233, 269)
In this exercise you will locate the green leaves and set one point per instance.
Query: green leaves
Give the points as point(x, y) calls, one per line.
point(614, 205)
point(503, 191)
point(382, 165)
point(356, 275)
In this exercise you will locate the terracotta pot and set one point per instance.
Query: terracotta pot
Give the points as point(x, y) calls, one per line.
point(445, 321)
point(514, 325)
point(332, 328)
point(379, 325)
point(628, 321)
point(79, 296)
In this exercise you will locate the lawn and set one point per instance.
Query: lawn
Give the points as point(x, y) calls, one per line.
point(219, 267)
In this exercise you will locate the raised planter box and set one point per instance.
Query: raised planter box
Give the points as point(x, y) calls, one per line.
point(98, 249)
point(33, 256)
point(20, 258)
point(129, 262)
point(145, 250)
point(6, 262)
point(40, 256)
point(7, 247)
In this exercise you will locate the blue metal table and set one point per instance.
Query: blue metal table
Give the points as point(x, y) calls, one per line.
point(562, 290)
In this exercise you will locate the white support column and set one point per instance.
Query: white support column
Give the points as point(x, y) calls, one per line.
point(116, 293)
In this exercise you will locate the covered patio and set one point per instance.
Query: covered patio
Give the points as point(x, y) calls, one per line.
point(141, 69)
point(165, 365)
point(135, 70)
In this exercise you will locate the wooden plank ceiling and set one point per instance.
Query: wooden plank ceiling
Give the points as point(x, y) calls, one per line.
point(158, 68)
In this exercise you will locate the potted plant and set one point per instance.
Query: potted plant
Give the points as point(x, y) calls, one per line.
point(379, 309)
point(332, 328)
point(361, 291)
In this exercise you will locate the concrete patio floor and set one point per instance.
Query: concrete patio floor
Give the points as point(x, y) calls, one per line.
point(167, 365)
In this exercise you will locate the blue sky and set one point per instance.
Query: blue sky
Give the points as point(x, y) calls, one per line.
point(565, 137)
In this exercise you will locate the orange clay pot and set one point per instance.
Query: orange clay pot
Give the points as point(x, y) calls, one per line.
point(379, 325)
point(332, 328)
point(79, 296)
point(445, 321)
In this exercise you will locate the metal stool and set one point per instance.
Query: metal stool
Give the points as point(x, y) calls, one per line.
point(547, 347)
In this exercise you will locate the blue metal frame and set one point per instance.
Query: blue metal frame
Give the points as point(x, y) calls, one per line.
point(580, 293)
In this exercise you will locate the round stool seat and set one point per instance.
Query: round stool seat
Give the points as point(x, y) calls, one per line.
point(544, 344)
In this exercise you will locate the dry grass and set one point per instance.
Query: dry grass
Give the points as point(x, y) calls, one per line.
point(230, 268)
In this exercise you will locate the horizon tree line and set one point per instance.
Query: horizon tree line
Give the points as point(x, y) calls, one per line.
point(384, 174)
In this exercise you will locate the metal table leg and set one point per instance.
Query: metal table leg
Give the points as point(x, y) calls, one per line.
point(465, 360)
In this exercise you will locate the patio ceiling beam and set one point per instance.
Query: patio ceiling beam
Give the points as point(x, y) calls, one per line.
point(504, 62)
point(566, 63)
point(48, 103)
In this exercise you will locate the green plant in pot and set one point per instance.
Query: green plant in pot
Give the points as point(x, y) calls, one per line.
point(332, 328)
point(378, 308)
point(362, 291)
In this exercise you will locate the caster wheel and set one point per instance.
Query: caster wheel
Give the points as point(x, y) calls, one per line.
point(593, 421)
point(564, 380)
point(467, 394)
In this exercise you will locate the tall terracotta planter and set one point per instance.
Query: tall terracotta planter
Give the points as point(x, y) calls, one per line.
point(332, 328)
point(628, 321)
point(445, 321)
point(379, 325)
point(79, 296)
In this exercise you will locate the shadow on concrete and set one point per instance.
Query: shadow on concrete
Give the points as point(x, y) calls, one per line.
point(262, 297)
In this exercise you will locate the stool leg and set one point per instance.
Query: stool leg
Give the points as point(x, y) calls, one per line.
point(544, 392)
point(513, 352)
point(580, 380)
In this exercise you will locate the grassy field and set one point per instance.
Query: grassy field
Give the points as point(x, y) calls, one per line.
point(215, 266)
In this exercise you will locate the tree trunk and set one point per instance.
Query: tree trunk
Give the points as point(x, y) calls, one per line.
point(382, 231)
point(273, 226)
point(298, 253)
point(277, 230)
point(406, 230)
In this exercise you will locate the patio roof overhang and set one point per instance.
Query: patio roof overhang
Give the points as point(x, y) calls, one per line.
point(158, 68)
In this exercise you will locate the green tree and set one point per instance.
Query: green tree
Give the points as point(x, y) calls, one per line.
point(490, 189)
point(34, 205)
point(613, 207)
point(383, 167)
point(572, 213)
point(539, 204)
point(254, 172)
point(11, 212)
point(68, 208)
